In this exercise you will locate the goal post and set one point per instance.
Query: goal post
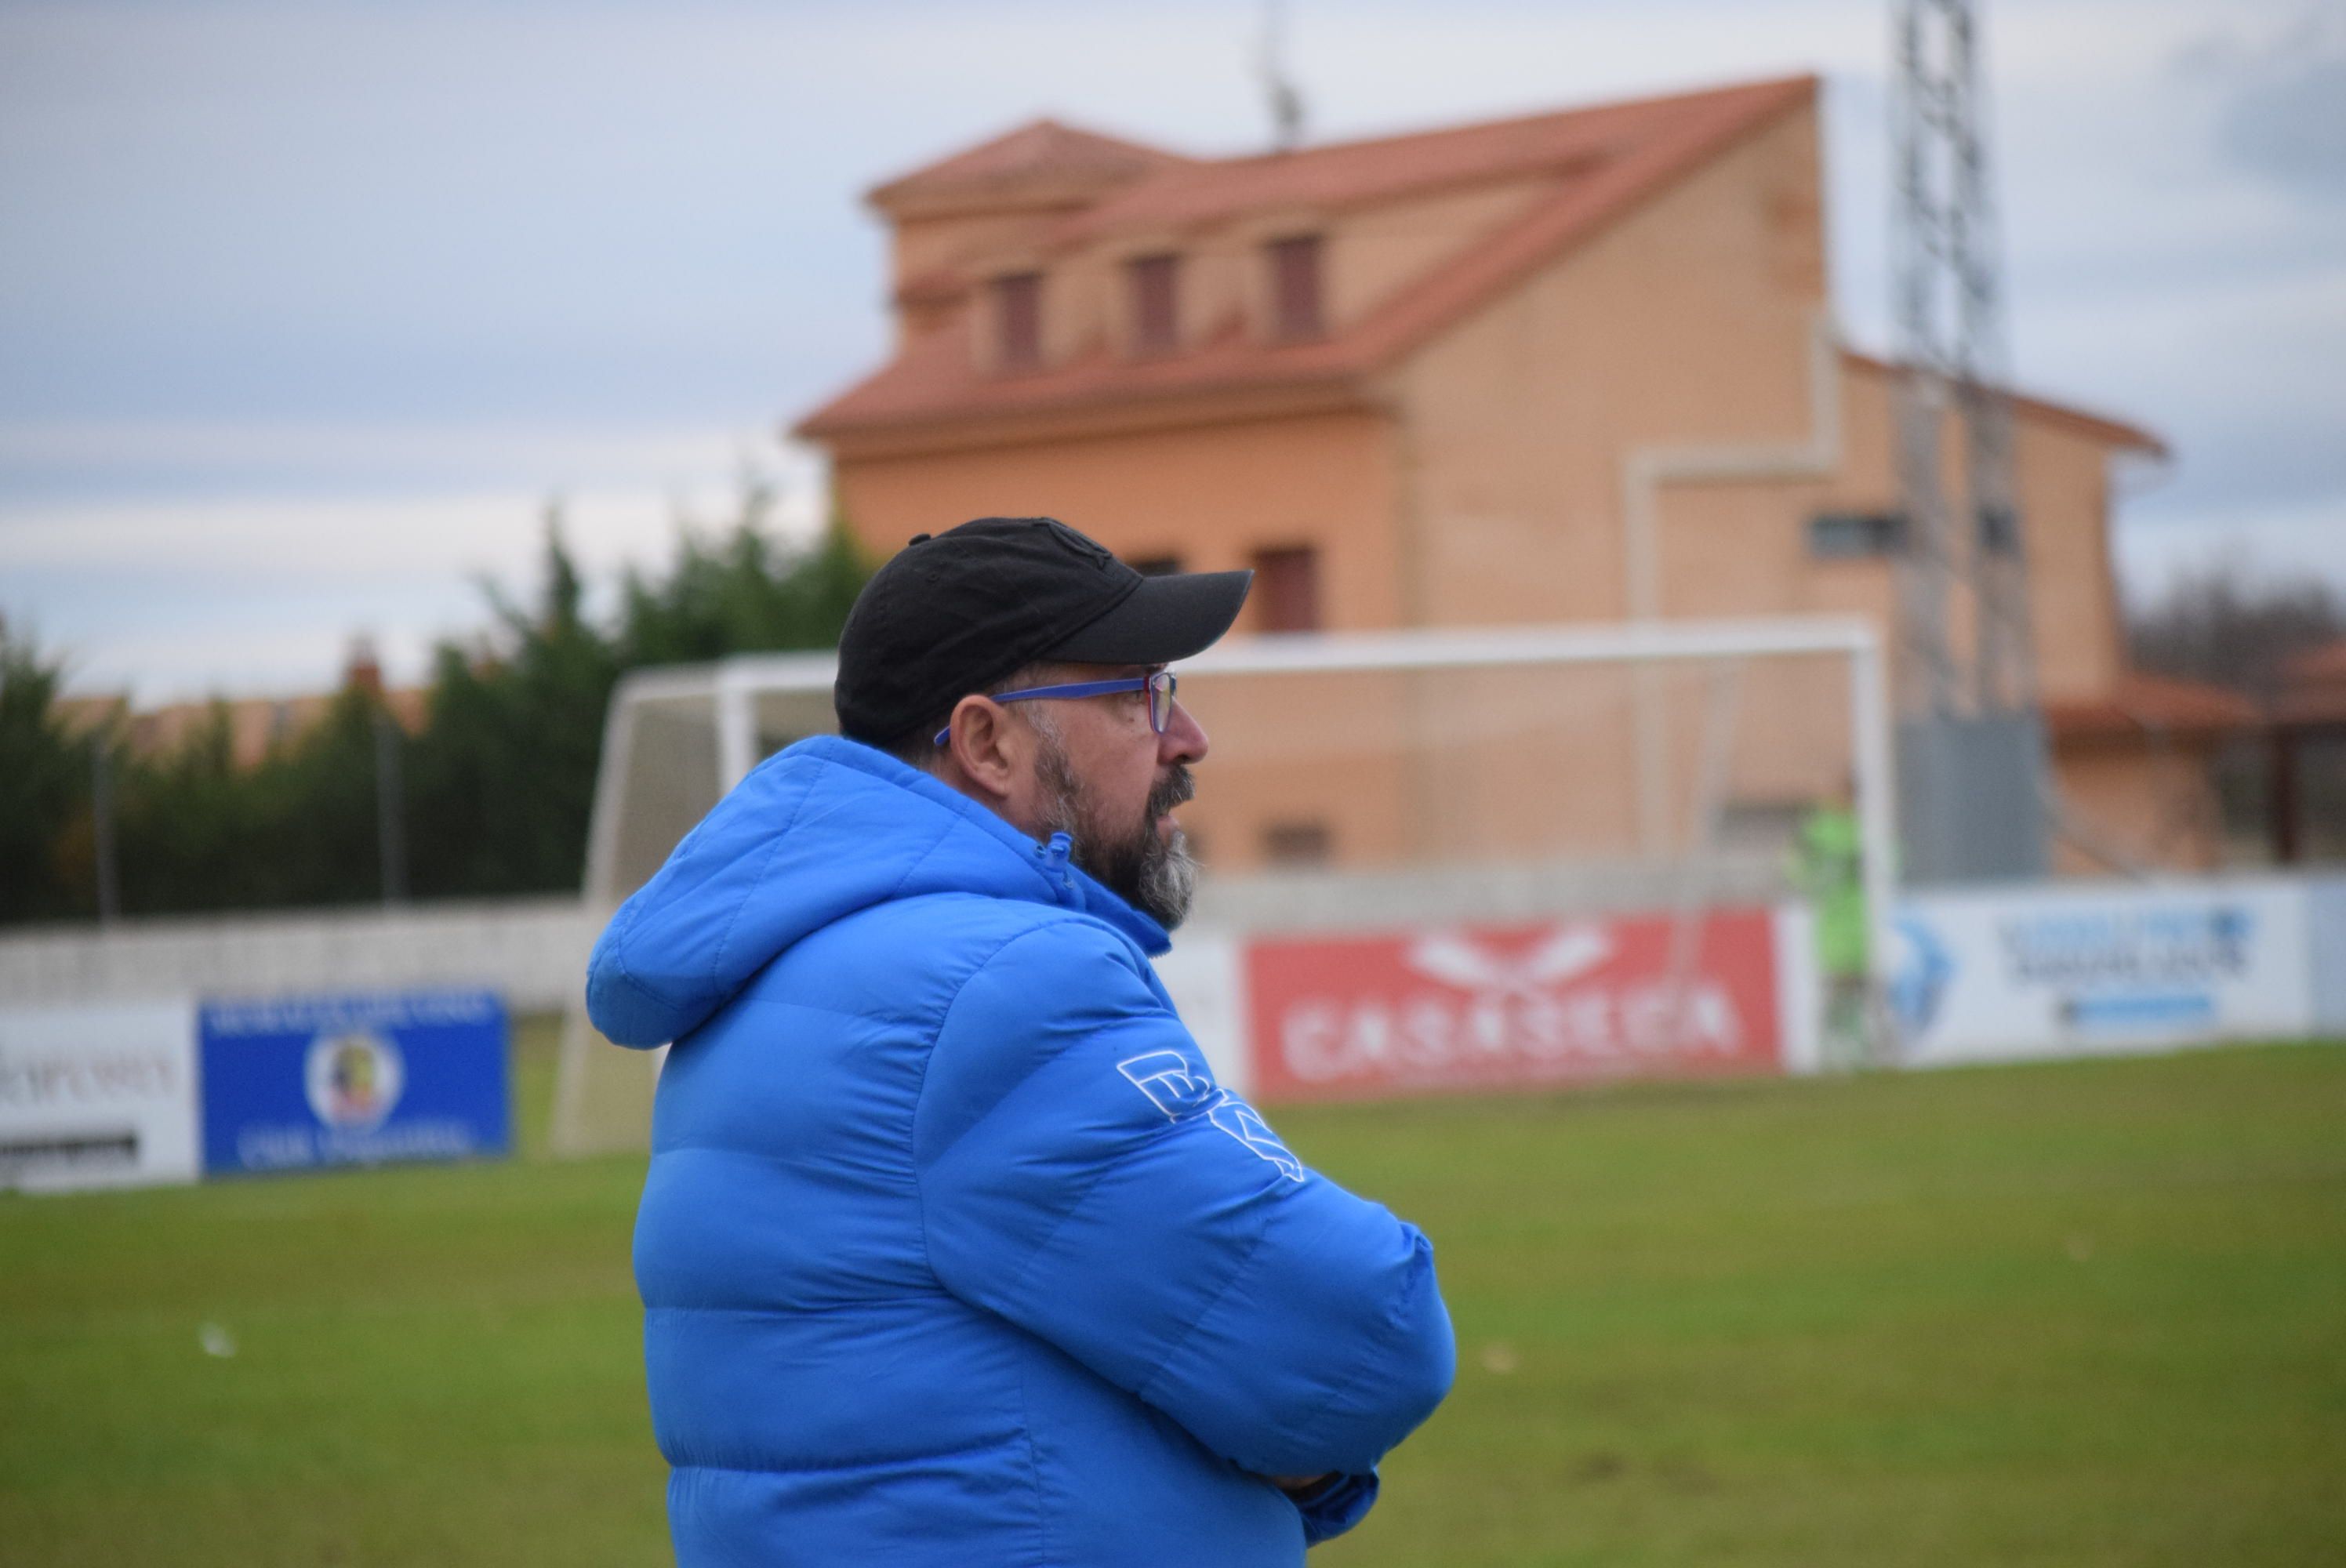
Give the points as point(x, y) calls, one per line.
point(1359, 780)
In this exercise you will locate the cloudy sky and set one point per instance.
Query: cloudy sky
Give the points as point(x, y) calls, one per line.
point(306, 308)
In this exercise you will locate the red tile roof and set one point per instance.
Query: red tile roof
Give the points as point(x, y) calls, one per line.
point(2140, 703)
point(1605, 161)
point(2314, 693)
point(2323, 665)
point(1601, 162)
point(1040, 152)
point(2100, 427)
point(1343, 174)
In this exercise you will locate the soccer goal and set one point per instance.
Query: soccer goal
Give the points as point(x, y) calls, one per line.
point(1479, 796)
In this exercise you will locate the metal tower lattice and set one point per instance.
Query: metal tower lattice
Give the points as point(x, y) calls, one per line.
point(1963, 542)
point(1279, 91)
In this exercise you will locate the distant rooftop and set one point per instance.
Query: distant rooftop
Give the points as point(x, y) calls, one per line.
point(1602, 162)
point(1042, 153)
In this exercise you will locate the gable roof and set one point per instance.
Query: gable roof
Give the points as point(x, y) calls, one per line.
point(2323, 665)
point(1383, 168)
point(2313, 689)
point(1042, 154)
point(1602, 162)
point(2098, 427)
point(2140, 703)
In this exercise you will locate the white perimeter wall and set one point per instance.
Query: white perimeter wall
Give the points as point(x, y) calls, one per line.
point(2326, 901)
point(532, 951)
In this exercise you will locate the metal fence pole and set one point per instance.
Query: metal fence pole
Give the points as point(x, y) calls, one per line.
point(391, 808)
point(101, 814)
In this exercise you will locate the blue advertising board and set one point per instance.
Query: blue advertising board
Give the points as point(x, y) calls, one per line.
point(304, 1082)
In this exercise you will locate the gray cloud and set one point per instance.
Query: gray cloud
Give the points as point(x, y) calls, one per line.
point(279, 272)
point(2282, 103)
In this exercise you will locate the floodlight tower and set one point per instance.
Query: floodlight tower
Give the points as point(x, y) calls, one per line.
point(1968, 689)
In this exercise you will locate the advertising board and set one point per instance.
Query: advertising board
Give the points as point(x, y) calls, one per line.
point(297, 1082)
point(1202, 976)
point(2325, 946)
point(97, 1095)
point(1486, 1007)
point(2045, 972)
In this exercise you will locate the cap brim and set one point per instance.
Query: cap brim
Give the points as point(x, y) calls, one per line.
point(1164, 619)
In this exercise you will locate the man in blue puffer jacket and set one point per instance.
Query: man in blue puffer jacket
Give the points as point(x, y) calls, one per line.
point(952, 1250)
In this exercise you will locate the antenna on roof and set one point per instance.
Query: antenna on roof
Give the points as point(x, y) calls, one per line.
point(1286, 99)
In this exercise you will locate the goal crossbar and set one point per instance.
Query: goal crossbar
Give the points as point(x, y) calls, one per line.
point(726, 696)
point(731, 686)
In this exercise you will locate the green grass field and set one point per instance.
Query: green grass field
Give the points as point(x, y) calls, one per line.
point(2083, 1314)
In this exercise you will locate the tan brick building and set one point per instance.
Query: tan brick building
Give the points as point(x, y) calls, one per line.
point(1579, 368)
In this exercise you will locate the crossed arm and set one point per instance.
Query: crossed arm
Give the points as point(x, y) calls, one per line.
point(1083, 1177)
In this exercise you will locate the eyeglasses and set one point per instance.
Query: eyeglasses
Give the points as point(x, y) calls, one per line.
point(1159, 687)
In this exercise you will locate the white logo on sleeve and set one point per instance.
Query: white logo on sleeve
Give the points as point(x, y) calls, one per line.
point(1183, 1090)
point(1166, 1078)
point(1238, 1119)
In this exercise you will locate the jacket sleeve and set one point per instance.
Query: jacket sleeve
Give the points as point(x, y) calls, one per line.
point(1083, 1176)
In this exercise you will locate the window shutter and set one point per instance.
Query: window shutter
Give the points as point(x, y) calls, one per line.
point(1018, 307)
point(1155, 317)
point(1287, 589)
point(1295, 286)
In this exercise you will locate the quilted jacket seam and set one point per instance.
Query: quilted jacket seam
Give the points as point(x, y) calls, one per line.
point(859, 1462)
point(1389, 1335)
point(944, 834)
point(1034, 1473)
point(766, 864)
point(921, 1090)
point(1245, 1264)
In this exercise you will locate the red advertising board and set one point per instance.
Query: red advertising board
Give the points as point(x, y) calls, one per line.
point(1488, 1007)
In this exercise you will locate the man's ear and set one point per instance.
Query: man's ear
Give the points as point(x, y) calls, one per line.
point(987, 749)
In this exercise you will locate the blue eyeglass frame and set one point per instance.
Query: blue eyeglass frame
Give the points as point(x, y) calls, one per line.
point(1162, 681)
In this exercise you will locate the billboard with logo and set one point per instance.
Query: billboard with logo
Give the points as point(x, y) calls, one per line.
point(2064, 971)
point(1485, 1007)
point(1202, 975)
point(297, 1082)
point(97, 1095)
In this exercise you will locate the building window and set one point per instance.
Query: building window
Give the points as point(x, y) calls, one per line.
point(1287, 589)
point(1157, 565)
point(1853, 535)
point(1155, 317)
point(1762, 827)
point(1018, 311)
point(1295, 305)
point(1296, 843)
point(1999, 530)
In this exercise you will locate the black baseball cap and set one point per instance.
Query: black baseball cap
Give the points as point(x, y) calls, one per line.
point(953, 613)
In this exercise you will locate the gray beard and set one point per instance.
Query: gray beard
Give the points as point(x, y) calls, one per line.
point(1155, 874)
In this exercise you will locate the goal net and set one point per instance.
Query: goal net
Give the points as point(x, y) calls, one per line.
point(1509, 816)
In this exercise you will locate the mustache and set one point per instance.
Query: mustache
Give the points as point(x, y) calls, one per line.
point(1175, 789)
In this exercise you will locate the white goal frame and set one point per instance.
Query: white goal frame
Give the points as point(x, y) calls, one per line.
point(731, 688)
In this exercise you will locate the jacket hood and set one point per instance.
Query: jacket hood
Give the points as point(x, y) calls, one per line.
point(813, 835)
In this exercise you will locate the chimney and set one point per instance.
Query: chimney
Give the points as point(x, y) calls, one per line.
point(363, 671)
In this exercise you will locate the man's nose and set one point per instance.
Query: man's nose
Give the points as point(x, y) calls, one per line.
point(1184, 739)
